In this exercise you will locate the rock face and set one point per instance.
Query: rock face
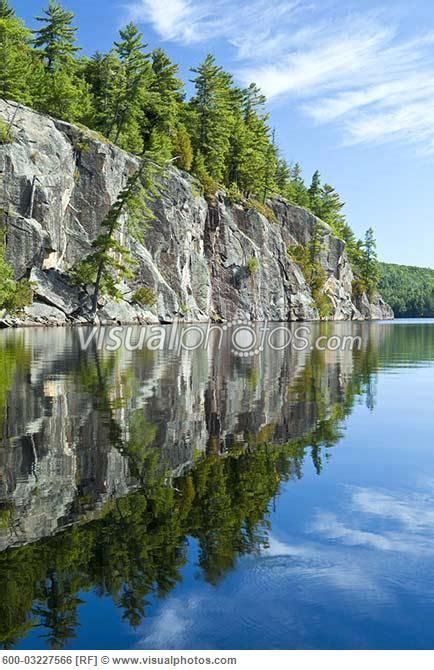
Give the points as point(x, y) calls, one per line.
point(201, 261)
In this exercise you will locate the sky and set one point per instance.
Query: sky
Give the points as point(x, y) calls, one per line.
point(350, 85)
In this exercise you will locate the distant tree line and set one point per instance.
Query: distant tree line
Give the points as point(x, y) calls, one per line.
point(134, 97)
point(409, 290)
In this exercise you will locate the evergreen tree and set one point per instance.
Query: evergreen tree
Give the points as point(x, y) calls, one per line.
point(111, 261)
point(258, 155)
point(237, 140)
point(283, 176)
point(62, 93)
point(60, 89)
point(162, 104)
point(253, 102)
point(370, 268)
point(102, 74)
point(297, 192)
point(182, 148)
point(213, 117)
point(210, 185)
point(15, 57)
point(314, 193)
point(6, 11)
point(56, 40)
point(129, 90)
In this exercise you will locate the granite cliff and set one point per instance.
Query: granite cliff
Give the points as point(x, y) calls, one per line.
point(58, 182)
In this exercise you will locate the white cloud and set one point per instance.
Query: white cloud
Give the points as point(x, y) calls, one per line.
point(242, 24)
point(171, 627)
point(408, 522)
point(354, 70)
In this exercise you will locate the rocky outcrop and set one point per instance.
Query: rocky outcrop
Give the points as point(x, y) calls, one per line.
point(202, 261)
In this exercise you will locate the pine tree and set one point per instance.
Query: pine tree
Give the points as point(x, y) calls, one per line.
point(258, 153)
point(15, 57)
point(210, 185)
point(164, 96)
point(253, 102)
point(238, 145)
point(370, 268)
point(182, 148)
point(6, 12)
point(62, 93)
point(213, 117)
point(56, 40)
point(129, 90)
point(111, 261)
point(297, 192)
point(314, 193)
point(102, 73)
point(60, 90)
point(283, 176)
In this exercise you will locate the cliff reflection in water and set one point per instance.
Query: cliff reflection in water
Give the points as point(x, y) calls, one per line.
point(110, 462)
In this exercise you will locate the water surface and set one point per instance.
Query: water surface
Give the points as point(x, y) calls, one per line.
point(200, 500)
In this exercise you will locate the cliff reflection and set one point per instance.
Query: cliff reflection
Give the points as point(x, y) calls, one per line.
point(110, 462)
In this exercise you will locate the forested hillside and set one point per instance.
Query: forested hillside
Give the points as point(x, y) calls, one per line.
point(408, 290)
point(133, 97)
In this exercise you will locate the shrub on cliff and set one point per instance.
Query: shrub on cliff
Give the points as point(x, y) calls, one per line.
point(14, 296)
point(6, 135)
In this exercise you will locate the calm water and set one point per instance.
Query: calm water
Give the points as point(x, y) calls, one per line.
point(156, 500)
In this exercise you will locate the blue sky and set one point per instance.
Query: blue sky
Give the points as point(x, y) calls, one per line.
point(350, 87)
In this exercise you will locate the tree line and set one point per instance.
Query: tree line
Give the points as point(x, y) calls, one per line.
point(408, 290)
point(134, 97)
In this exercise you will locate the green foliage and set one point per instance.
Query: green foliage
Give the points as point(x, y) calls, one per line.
point(295, 189)
point(212, 116)
point(6, 134)
point(252, 266)
point(111, 261)
point(133, 74)
point(234, 195)
point(314, 193)
point(210, 185)
point(408, 290)
point(366, 267)
point(145, 296)
point(136, 100)
point(55, 40)
point(182, 148)
point(15, 58)
point(163, 106)
point(6, 11)
point(6, 514)
point(307, 257)
point(14, 296)
point(262, 209)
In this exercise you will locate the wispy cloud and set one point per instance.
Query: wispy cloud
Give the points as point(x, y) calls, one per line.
point(356, 71)
point(407, 522)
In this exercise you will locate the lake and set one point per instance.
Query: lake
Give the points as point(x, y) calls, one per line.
point(194, 499)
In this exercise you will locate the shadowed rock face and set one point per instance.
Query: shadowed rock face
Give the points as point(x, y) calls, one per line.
point(58, 183)
point(74, 422)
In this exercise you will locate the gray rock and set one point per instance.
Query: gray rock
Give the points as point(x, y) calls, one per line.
point(377, 309)
point(40, 313)
point(59, 182)
point(123, 312)
point(51, 287)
